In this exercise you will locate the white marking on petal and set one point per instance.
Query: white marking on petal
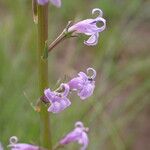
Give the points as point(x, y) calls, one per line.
point(100, 29)
point(67, 89)
point(13, 140)
point(93, 71)
point(97, 10)
point(79, 124)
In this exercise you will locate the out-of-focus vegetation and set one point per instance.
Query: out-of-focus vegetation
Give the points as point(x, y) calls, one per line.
point(118, 112)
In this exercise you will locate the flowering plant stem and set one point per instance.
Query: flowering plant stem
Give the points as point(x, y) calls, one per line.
point(43, 74)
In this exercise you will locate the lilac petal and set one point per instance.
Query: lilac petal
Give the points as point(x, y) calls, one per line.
point(93, 40)
point(87, 91)
point(83, 76)
point(66, 102)
point(55, 107)
point(84, 141)
point(58, 104)
point(84, 26)
point(76, 83)
point(49, 95)
point(67, 89)
point(57, 3)
point(42, 2)
point(72, 136)
point(23, 146)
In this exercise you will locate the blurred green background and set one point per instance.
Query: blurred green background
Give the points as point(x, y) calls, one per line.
point(118, 112)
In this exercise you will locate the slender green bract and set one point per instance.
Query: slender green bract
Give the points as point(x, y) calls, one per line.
point(43, 74)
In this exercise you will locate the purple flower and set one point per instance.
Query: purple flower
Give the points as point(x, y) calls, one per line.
point(59, 101)
point(89, 27)
point(83, 84)
point(57, 3)
point(20, 146)
point(77, 135)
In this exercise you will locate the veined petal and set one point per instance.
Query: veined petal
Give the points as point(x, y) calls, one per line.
point(67, 89)
point(55, 107)
point(49, 95)
point(85, 26)
point(93, 40)
point(66, 102)
point(83, 76)
point(87, 91)
point(76, 83)
point(57, 3)
point(84, 141)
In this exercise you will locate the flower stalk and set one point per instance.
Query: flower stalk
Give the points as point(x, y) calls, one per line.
point(64, 35)
point(59, 39)
point(42, 12)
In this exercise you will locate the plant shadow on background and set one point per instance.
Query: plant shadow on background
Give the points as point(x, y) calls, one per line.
point(117, 113)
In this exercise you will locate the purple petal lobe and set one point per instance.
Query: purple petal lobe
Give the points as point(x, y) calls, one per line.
point(92, 40)
point(86, 91)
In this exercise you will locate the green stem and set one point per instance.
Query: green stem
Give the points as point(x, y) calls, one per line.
point(43, 73)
